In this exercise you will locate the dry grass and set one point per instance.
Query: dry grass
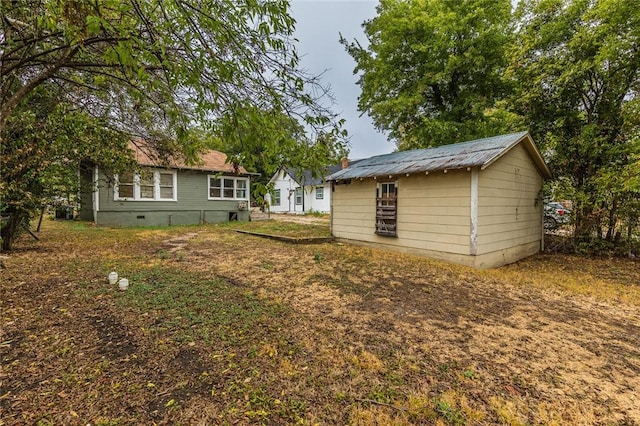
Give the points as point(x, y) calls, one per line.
point(286, 229)
point(225, 328)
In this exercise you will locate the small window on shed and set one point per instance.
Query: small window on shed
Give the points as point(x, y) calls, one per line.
point(386, 209)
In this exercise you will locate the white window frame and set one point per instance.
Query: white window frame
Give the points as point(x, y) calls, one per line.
point(235, 187)
point(320, 191)
point(156, 187)
point(277, 196)
point(299, 193)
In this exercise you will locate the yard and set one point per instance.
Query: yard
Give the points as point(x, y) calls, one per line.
point(219, 327)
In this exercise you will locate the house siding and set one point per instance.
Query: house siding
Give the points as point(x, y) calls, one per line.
point(433, 212)
point(287, 186)
point(192, 205)
point(509, 209)
point(311, 203)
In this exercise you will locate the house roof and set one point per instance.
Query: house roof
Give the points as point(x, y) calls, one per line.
point(305, 178)
point(476, 153)
point(209, 161)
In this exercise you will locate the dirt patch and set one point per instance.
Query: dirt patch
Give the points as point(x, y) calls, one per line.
point(300, 218)
point(114, 341)
point(178, 243)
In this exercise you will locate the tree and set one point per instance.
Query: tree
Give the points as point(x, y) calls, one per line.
point(431, 74)
point(264, 140)
point(47, 140)
point(155, 69)
point(577, 66)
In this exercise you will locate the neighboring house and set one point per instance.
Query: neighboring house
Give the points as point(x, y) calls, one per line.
point(174, 194)
point(476, 203)
point(300, 192)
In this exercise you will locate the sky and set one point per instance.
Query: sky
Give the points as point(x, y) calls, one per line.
point(318, 28)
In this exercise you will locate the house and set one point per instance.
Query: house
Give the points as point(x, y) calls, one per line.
point(300, 192)
point(476, 203)
point(175, 194)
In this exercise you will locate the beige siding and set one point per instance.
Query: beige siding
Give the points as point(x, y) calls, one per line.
point(509, 212)
point(433, 212)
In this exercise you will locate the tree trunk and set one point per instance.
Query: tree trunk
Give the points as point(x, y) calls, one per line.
point(612, 222)
point(9, 231)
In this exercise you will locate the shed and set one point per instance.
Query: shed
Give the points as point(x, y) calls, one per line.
point(158, 193)
point(475, 203)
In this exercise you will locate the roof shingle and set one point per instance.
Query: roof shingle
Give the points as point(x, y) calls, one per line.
point(210, 161)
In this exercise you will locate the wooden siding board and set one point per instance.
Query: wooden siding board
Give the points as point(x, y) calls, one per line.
point(433, 212)
point(508, 214)
point(191, 206)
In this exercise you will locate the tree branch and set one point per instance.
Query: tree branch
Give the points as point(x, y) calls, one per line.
point(24, 90)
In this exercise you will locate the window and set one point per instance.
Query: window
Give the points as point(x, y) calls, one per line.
point(166, 185)
point(298, 196)
point(319, 193)
point(276, 197)
point(124, 188)
point(386, 209)
point(241, 189)
point(228, 188)
point(148, 185)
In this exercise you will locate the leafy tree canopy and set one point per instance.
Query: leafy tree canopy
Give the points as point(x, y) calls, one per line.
point(431, 73)
point(263, 140)
point(577, 64)
point(168, 71)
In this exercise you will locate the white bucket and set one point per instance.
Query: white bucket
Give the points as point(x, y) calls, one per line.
point(113, 277)
point(123, 284)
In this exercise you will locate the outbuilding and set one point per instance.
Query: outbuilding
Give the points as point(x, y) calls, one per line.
point(476, 203)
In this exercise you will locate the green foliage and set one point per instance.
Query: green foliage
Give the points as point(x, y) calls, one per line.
point(431, 74)
point(577, 66)
point(263, 140)
point(437, 72)
point(449, 412)
point(44, 143)
point(171, 72)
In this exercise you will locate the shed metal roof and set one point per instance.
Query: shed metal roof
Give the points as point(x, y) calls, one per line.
point(477, 153)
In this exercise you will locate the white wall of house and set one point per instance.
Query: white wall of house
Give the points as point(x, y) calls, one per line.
point(312, 202)
point(285, 186)
point(291, 201)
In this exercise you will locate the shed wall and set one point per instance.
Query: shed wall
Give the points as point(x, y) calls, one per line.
point(509, 209)
point(432, 214)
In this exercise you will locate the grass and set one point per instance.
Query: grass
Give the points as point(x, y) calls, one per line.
point(225, 328)
point(285, 229)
